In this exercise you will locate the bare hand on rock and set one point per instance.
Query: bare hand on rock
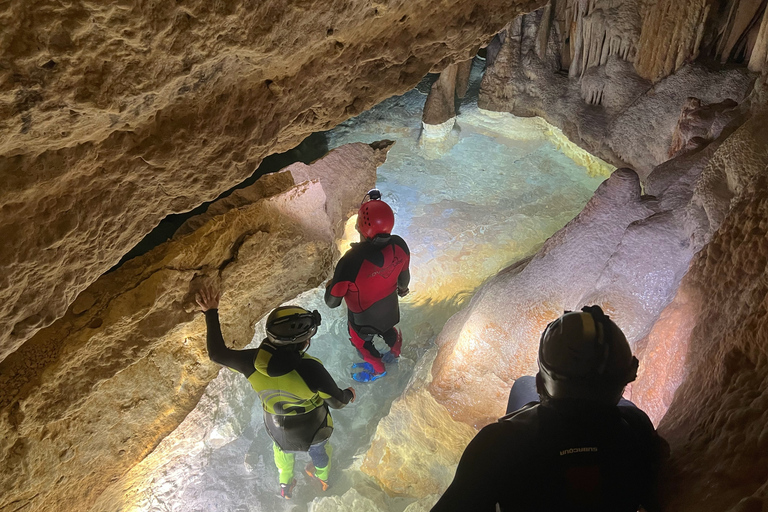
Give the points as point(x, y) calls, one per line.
point(207, 299)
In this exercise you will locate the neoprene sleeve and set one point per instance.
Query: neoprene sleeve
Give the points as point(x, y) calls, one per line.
point(218, 352)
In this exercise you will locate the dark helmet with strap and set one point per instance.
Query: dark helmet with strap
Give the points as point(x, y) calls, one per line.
point(374, 217)
point(291, 325)
point(584, 355)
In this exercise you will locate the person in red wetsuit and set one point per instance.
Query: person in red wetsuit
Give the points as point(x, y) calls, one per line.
point(370, 277)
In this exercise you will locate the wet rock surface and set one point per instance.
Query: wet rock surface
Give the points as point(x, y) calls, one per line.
point(114, 116)
point(581, 66)
point(88, 397)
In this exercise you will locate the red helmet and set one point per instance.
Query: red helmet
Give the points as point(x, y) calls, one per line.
point(375, 218)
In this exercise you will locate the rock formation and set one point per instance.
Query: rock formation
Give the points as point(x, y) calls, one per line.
point(89, 396)
point(717, 420)
point(112, 117)
point(452, 83)
point(628, 251)
point(606, 103)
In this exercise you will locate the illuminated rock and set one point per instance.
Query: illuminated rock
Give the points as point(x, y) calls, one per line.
point(712, 338)
point(494, 340)
point(416, 447)
point(606, 105)
point(88, 397)
point(113, 117)
point(625, 252)
point(717, 422)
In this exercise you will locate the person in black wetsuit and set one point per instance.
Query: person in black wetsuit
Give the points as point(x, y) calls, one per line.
point(295, 389)
point(569, 441)
point(370, 277)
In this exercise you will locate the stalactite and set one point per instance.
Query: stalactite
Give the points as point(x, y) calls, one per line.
point(758, 61)
point(542, 36)
point(600, 29)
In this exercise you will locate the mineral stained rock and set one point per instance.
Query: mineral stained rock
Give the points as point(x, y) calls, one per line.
point(439, 107)
point(604, 104)
point(114, 116)
point(629, 253)
point(89, 396)
point(416, 447)
point(711, 340)
point(624, 251)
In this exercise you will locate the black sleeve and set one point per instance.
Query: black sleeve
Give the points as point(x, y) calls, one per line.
point(399, 241)
point(331, 300)
point(403, 279)
point(318, 379)
point(474, 486)
point(218, 352)
point(405, 275)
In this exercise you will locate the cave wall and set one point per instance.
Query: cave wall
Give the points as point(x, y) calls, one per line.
point(91, 395)
point(582, 67)
point(114, 115)
point(693, 206)
point(716, 422)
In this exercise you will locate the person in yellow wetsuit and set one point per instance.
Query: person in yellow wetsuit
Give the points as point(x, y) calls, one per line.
point(295, 388)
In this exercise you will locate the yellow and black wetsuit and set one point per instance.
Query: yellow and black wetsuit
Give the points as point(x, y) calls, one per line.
point(295, 388)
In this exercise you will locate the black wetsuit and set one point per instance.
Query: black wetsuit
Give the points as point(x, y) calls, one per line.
point(368, 277)
point(295, 422)
point(566, 455)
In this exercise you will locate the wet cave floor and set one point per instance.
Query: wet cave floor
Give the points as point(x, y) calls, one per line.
point(485, 196)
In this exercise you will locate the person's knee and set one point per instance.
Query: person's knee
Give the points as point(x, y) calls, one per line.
point(321, 454)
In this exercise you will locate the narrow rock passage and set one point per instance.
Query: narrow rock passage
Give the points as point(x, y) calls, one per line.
point(487, 200)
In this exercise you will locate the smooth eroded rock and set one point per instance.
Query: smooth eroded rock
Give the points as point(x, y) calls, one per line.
point(88, 397)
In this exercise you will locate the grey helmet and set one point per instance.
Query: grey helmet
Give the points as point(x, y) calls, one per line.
point(584, 355)
point(291, 325)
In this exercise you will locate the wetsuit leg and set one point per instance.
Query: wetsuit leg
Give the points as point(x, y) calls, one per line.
point(523, 391)
point(366, 348)
point(321, 458)
point(394, 340)
point(284, 462)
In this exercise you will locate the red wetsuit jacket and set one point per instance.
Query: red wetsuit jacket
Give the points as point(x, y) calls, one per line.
point(368, 278)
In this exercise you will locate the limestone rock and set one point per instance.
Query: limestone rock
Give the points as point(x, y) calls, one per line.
point(606, 106)
point(103, 385)
point(462, 78)
point(716, 424)
point(624, 251)
point(737, 164)
point(494, 340)
point(700, 123)
point(671, 33)
point(601, 29)
point(758, 61)
point(416, 447)
point(440, 106)
point(113, 117)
